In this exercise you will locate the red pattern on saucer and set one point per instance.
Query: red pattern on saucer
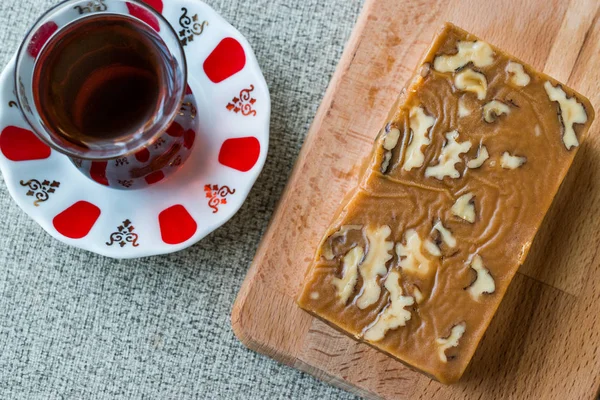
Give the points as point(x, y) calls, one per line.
point(175, 130)
point(241, 153)
point(155, 177)
point(40, 38)
point(227, 59)
point(144, 15)
point(156, 4)
point(189, 138)
point(176, 225)
point(143, 155)
point(18, 144)
point(98, 172)
point(77, 221)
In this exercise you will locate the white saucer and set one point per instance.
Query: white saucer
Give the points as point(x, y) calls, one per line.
point(229, 153)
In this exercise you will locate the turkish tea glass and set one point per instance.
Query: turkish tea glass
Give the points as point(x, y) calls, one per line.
point(104, 82)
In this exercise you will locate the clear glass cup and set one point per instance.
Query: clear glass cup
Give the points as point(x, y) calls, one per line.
point(137, 140)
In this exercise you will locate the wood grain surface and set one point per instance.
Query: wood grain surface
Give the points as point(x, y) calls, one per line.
point(544, 343)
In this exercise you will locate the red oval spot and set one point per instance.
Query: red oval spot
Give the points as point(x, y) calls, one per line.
point(76, 221)
point(18, 144)
point(39, 39)
point(154, 177)
point(156, 4)
point(175, 130)
point(98, 172)
point(241, 153)
point(227, 59)
point(142, 155)
point(189, 139)
point(176, 225)
point(141, 13)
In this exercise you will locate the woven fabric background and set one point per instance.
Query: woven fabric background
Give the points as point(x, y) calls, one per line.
point(78, 326)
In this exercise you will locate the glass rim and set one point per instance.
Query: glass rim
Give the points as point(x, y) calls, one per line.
point(40, 22)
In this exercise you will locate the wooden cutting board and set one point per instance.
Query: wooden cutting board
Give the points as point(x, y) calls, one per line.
point(544, 342)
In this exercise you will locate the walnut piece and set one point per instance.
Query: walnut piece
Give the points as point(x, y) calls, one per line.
point(391, 139)
point(412, 259)
point(493, 109)
point(387, 157)
point(479, 53)
point(471, 81)
point(432, 248)
point(374, 264)
point(393, 315)
point(419, 125)
point(511, 162)
point(517, 74)
point(328, 252)
point(345, 286)
point(392, 135)
point(482, 155)
point(464, 208)
point(447, 237)
point(449, 157)
point(483, 283)
point(344, 229)
point(425, 70)
point(463, 110)
point(444, 344)
point(418, 295)
point(571, 112)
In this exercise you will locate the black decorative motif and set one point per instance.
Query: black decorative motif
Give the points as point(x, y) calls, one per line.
point(158, 143)
point(177, 161)
point(12, 104)
point(92, 6)
point(125, 183)
point(188, 107)
point(40, 190)
point(121, 161)
point(190, 27)
point(216, 195)
point(244, 103)
point(124, 235)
